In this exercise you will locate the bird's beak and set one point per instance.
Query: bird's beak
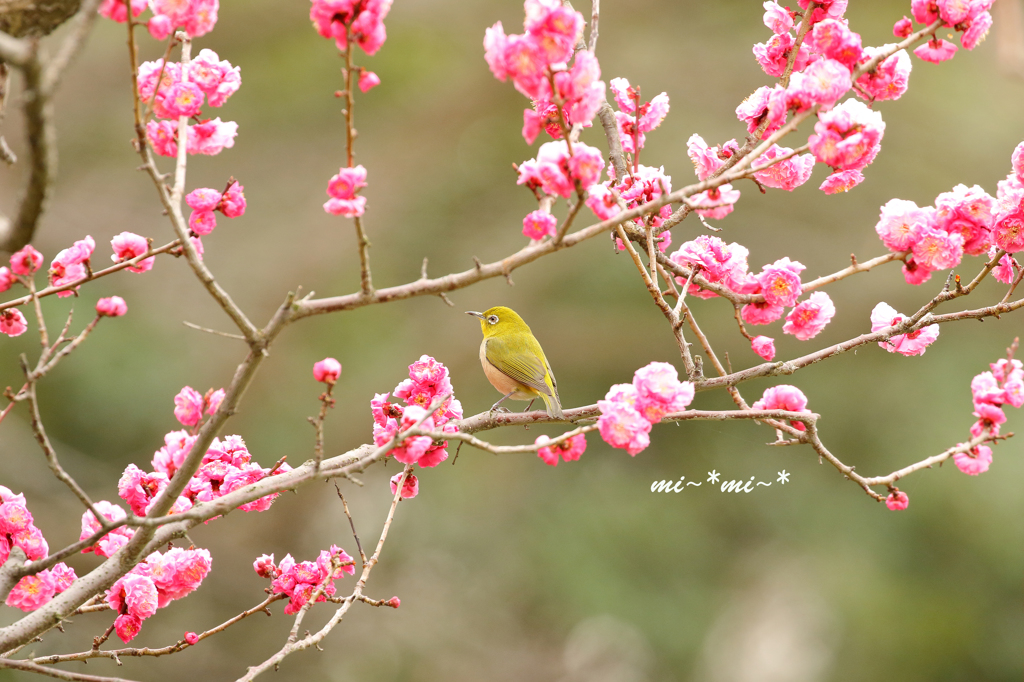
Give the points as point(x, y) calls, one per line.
point(480, 315)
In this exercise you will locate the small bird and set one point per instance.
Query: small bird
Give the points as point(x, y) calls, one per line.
point(514, 362)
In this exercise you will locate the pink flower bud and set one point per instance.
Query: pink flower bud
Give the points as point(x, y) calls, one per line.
point(327, 370)
point(368, 80)
point(264, 566)
point(191, 637)
point(232, 204)
point(394, 602)
point(902, 28)
point(113, 306)
point(897, 501)
point(764, 346)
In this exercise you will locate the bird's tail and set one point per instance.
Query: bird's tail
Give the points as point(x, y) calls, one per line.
point(554, 408)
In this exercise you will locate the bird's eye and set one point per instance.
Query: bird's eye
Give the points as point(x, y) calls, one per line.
point(493, 319)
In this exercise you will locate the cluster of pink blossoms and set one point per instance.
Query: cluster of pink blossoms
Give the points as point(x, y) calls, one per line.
point(68, 266)
point(778, 284)
point(1003, 385)
point(181, 91)
point(847, 136)
point(428, 380)
point(18, 530)
point(634, 118)
point(784, 397)
point(965, 220)
point(195, 17)
point(362, 20)
point(154, 584)
point(641, 183)
point(971, 17)
point(300, 580)
point(24, 263)
point(629, 410)
point(537, 63)
point(342, 189)
point(569, 449)
point(205, 201)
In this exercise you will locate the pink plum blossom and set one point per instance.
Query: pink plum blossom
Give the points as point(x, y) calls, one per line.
point(848, 136)
point(12, 322)
point(707, 160)
point(809, 317)
point(203, 199)
point(773, 56)
point(112, 306)
point(327, 370)
point(936, 51)
point(659, 391)
point(139, 488)
point(784, 397)
point(116, 10)
point(27, 260)
point(1007, 268)
point(890, 78)
point(788, 174)
point(538, 224)
point(903, 28)
point(233, 203)
point(761, 312)
point(938, 250)
point(975, 461)
point(764, 103)
point(183, 99)
point(368, 80)
point(128, 245)
point(215, 77)
point(7, 279)
point(211, 137)
point(202, 223)
point(901, 224)
point(569, 449)
point(841, 181)
point(977, 30)
point(833, 39)
point(915, 273)
point(824, 82)
point(970, 212)
point(410, 487)
point(764, 346)
point(191, 638)
point(719, 201)
point(916, 342)
point(776, 18)
point(32, 591)
point(188, 406)
point(780, 282)
point(719, 262)
point(620, 424)
point(1008, 232)
point(824, 9)
point(897, 501)
point(989, 418)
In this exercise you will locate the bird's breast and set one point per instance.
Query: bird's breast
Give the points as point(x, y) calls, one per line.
point(501, 381)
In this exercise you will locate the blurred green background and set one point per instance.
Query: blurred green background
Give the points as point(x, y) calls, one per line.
point(509, 569)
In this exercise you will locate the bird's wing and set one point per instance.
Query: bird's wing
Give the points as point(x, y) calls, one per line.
point(522, 361)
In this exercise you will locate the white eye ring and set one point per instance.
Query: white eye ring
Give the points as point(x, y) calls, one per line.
point(493, 319)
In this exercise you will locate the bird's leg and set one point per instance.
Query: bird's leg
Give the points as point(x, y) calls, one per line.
point(528, 406)
point(503, 399)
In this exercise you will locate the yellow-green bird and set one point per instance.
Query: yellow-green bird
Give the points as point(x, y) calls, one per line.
point(514, 361)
